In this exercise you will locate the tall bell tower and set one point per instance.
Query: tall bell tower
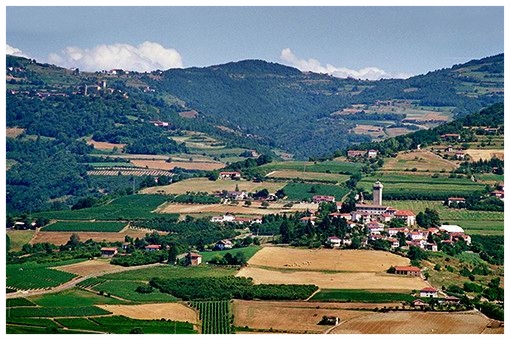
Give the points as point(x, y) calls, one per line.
point(377, 193)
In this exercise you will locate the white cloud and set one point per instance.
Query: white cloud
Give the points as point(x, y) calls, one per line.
point(147, 56)
point(313, 65)
point(15, 51)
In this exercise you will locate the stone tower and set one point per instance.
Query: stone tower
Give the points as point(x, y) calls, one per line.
point(377, 193)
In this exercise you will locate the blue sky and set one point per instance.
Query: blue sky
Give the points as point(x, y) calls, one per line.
point(363, 42)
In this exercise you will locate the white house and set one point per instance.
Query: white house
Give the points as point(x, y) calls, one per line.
point(428, 292)
point(334, 241)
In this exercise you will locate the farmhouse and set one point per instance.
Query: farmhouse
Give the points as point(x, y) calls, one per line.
point(153, 247)
point(108, 251)
point(450, 136)
point(372, 153)
point(193, 259)
point(230, 175)
point(407, 270)
point(334, 241)
point(160, 123)
point(223, 244)
point(237, 195)
point(499, 194)
point(460, 155)
point(356, 153)
point(419, 303)
point(428, 292)
point(322, 198)
point(224, 218)
point(456, 201)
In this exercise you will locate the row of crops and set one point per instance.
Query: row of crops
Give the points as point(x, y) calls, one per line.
point(35, 276)
point(216, 316)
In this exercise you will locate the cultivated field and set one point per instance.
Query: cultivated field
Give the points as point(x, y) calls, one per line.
point(393, 132)
point(105, 145)
point(19, 238)
point(205, 185)
point(473, 222)
point(13, 132)
point(419, 159)
point(317, 176)
point(89, 267)
point(85, 226)
point(327, 259)
point(415, 323)
point(329, 268)
point(339, 280)
point(58, 238)
point(477, 154)
point(171, 311)
point(254, 209)
point(163, 165)
point(291, 317)
point(372, 130)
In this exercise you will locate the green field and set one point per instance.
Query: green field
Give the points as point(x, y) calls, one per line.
point(125, 325)
point(39, 275)
point(18, 302)
point(305, 191)
point(473, 222)
point(36, 312)
point(334, 167)
point(215, 316)
point(412, 186)
point(169, 272)
point(308, 176)
point(73, 298)
point(355, 295)
point(123, 208)
point(247, 251)
point(127, 290)
point(85, 226)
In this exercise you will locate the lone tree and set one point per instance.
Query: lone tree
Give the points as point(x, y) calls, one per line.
point(172, 254)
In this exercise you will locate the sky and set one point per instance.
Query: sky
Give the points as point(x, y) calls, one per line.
point(360, 42)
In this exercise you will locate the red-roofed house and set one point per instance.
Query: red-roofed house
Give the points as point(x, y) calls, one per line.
point(428, 292)
point(498, 193)
point(394, 242)
point(322, 198)
point(108, 251)
point(224, 244)
point(460, 155)
point(456, 200)
point(230, 175)
point(307, 219)
point(193, 259)
point(407, 216)
point(407, 270)
point(449, 136)
point(334, 241)
point(153, 247)
point(356, 153)
point(395, 231)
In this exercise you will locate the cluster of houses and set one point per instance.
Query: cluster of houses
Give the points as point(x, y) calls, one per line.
point(374, 217)
point(361, 153)
point(191, 259)
point(238, 220)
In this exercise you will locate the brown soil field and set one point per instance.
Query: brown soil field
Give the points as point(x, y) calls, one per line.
point(254, 209)
point(105, 145)
point(371, 130)
point(348, 280)
point(89, 267)
point(476, 154)
point(205, 185)
point(58, 238)
point(393, 132)
point(13, 132)
point(419, 159)
point(139, 156)
point(171, 311)
point(327, 259)
point(291, 317)
point(423, 115)
point(415, 323)
point(189, 114)
point(163, 165)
